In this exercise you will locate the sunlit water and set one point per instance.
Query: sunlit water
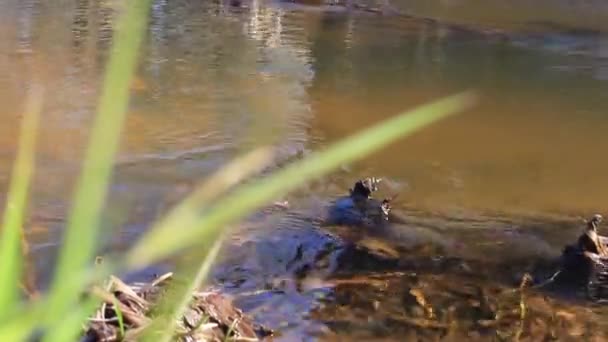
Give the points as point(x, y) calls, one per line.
point(214, 80)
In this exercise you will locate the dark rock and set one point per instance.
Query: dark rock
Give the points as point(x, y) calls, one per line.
point(585, 265)
point(359, 208)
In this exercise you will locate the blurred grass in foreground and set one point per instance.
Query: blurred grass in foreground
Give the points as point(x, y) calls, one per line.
point(11, 253)
point(63, 310)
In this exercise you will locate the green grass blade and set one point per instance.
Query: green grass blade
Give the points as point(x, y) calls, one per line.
point(21, 322)
point(82, 230)
point(11, 258)
point(70, 327)
point(121, 322)
point(163, 241)
point(180, 296)
point(177, 298)
point(186, 212)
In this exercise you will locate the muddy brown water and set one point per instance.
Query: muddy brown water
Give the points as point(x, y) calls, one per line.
point(486, 196)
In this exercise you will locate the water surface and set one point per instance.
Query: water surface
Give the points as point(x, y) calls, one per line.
point(509, 179)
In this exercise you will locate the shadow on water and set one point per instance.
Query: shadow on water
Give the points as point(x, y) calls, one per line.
point(483, 198)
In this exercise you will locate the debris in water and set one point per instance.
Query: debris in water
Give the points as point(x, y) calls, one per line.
point(209, 317)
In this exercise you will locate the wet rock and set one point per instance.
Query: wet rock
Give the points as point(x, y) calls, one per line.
point(359, 208)
point(584, 265)
point(361, 257)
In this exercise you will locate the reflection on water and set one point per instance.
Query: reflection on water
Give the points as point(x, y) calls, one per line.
point(216, 79)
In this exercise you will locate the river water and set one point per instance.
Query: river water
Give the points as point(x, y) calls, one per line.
point(508, 179)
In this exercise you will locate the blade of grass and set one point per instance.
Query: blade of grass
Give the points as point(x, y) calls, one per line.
point(121, 323)
point(163, 240)
point(186, 216)
point(227, 177)
point(230, 329)
point(68, 329)
point(179, 297)
point(72, 322)
point(175, 302)
point(11, 258)
point(91, 189)
point(21, 322)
